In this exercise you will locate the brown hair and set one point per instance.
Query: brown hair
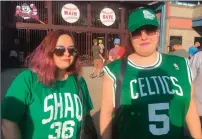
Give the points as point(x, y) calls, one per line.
point(129, 47)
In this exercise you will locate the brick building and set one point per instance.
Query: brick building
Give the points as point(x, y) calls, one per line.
point(183, 21)
point(25, 34)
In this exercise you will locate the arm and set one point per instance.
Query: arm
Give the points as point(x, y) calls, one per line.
point(120, 53)
point(10, 130)
point(14, 105)
point(192, 118)
point(106, 108)
point(194, 64)
point(88, 105)
point(190, 52)
point(103, 60)
point(101, 56)
point(110, 58)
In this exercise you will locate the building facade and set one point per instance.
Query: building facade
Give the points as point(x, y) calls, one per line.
point(180, 23)
point(24, 32)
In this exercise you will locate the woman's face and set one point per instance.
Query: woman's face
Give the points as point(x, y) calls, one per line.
point(62, 56)
point(145, 40)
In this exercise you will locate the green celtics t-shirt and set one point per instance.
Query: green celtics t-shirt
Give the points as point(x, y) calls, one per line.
point(154, 99)
point(46, 112)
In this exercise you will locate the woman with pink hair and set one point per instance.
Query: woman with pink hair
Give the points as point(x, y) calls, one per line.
point(44, 101)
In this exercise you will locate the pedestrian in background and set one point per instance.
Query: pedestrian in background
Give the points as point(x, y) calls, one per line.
point(177, 49)
point(97, 60)
point(193, 49)
point(113, 53)
point(196, 66)
point(13, 57)
point(102, 47)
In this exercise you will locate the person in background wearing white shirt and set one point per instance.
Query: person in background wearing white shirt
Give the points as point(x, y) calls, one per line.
point(102, 47)
point(196, 66)
point(13, 57)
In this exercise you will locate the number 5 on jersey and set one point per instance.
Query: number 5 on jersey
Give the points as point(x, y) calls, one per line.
point(154, 117)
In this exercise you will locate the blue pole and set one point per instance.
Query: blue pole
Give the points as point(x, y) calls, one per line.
point(162, 29)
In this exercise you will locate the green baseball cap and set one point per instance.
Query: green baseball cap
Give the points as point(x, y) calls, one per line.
point(141, 17)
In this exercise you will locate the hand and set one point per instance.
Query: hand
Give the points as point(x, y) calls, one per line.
point(103, 60)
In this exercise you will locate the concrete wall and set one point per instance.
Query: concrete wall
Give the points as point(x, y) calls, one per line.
point(187, 36)
point(181, 11)
point(197, 12)
point(179, 23)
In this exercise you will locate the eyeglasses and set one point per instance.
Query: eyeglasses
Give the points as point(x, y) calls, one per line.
point(149, 30)
point(60, 50)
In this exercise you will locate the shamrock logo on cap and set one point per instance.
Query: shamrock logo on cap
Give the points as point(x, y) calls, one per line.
point(148, 15)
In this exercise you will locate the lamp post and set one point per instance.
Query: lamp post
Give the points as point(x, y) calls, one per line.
point(162, 29)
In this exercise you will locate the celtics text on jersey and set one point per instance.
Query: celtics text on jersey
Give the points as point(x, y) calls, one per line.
point(154, 99)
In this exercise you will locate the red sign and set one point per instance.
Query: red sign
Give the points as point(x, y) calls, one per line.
point(108, 16)
point(27, 11)
point(70, 13)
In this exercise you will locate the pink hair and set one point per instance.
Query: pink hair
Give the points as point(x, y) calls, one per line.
point(40, 60)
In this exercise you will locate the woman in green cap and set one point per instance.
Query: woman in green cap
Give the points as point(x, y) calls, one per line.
point(156, 94)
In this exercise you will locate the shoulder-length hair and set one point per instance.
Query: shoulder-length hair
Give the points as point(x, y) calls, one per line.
point(40, 61)
point(129, 47)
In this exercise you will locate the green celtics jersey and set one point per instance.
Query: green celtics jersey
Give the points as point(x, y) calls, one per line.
point(46, 112)
point(154, 99)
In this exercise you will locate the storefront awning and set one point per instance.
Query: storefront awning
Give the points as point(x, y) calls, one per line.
point(197, 22)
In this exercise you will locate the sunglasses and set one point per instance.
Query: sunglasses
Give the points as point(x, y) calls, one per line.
point(60, 50)
point(149, 30)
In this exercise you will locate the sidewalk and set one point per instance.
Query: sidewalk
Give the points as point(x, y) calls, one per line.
point(95, 88)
